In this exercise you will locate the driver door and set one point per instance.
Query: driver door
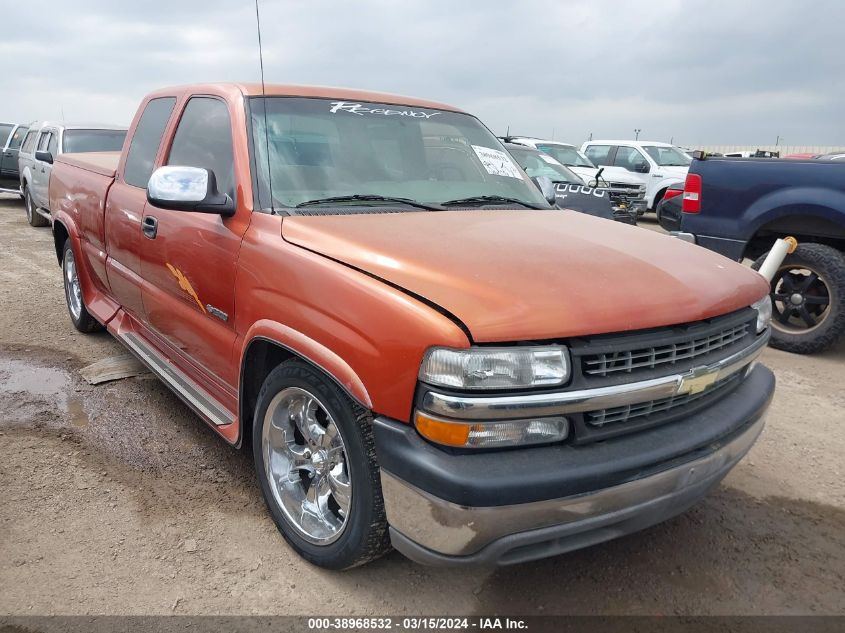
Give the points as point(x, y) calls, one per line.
point(188, 259)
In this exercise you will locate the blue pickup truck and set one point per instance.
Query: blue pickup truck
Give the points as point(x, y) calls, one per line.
point(738, 207)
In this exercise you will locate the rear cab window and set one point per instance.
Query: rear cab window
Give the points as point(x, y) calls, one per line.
point(93, 140)
point(141, 156)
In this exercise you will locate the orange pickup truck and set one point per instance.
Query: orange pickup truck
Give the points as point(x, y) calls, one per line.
point(421, 352)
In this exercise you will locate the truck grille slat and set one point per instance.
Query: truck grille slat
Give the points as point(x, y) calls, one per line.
point(607, 363)
point(629, 413)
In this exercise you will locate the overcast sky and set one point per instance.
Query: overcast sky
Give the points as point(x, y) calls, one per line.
point(701, 72)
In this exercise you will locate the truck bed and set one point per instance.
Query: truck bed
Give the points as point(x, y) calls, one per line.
point(103, 163)
point(740, 197)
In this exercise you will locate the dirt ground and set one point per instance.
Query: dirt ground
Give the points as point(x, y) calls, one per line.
point(116, 499)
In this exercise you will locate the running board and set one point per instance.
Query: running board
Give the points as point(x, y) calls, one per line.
point(194, 395)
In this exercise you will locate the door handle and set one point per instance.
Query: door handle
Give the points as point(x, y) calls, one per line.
point(150, 227)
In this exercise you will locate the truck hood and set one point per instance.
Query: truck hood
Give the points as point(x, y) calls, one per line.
point(512, 275)
point(679, 171)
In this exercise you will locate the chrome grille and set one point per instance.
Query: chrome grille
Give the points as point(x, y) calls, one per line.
point(655, 408)
point(609, 363)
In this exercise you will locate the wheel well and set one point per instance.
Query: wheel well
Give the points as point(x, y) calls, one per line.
point(60, 235)
point(803, 228)
point(658, 197)
point(261, 357)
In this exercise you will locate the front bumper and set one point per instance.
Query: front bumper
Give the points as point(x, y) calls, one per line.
point(513, 506)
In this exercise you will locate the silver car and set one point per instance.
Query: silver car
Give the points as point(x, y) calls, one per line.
point(43, 143)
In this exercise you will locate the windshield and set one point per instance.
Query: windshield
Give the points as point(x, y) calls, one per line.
point(325, 148)
point(667, 156)
point(566, 155)
point(93, 140)
point(538, 164)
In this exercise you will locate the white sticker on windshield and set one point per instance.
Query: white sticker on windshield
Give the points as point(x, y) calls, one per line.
point(361, 110)
point(549, 159)
point(497, 162)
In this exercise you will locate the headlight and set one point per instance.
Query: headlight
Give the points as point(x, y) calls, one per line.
point(496, 367)
point(764, 312)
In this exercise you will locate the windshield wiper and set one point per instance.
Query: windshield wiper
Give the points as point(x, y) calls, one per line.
point(485, 199)
point(370, 197)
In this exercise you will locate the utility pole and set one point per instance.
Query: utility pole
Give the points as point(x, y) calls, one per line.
point(777, 141)
point(637, 134)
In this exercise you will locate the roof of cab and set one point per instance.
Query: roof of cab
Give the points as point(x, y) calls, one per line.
point(627, 142)
point(324, 92)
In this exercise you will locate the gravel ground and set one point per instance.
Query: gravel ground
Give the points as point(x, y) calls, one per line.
point(116, 499)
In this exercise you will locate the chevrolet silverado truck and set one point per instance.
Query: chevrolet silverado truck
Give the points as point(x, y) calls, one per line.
point(738, 207)
point(421, 352)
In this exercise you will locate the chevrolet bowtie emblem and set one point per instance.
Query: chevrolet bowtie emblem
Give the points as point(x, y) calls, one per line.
point(697, 383)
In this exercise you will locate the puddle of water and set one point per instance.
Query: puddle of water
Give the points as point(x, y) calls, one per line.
point(18, 376)
point(46, 383)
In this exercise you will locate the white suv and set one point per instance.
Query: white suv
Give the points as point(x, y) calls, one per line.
point(657, 165)
point(623, 185)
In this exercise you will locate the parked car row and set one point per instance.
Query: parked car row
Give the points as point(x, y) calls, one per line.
point(626, 192)
point(30, 151)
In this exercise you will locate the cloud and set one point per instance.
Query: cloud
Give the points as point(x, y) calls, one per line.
point(713, 72)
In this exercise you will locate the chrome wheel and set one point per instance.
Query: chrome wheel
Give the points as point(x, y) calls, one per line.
point(73, 292)
point(306, 466)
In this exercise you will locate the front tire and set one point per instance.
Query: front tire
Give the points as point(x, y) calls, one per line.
point(79, 315)
point(32, 216)
point(315, 460)
point(808, 299)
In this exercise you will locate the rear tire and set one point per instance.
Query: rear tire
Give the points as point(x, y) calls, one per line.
point(79, 315)
point(32, 216)
point(315, 460)
point(808, 299)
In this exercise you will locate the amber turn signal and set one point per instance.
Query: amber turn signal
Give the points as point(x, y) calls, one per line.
point(493, 433)
point(442, 432)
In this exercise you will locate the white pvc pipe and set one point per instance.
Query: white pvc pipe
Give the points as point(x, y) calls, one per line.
point(780, 249)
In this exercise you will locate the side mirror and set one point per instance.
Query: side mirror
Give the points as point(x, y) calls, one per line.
point(547, 187)
point(188, 189)
point(44, 157)
point(642, 168)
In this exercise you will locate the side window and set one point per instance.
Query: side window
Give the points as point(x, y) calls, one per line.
point(204, 139)
point(5, 130)
point(29, 142)
point(144, 146)
point(53, 145)
point(17, 138)
point(43, 141)
point(598, 154)
point(629, 158)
